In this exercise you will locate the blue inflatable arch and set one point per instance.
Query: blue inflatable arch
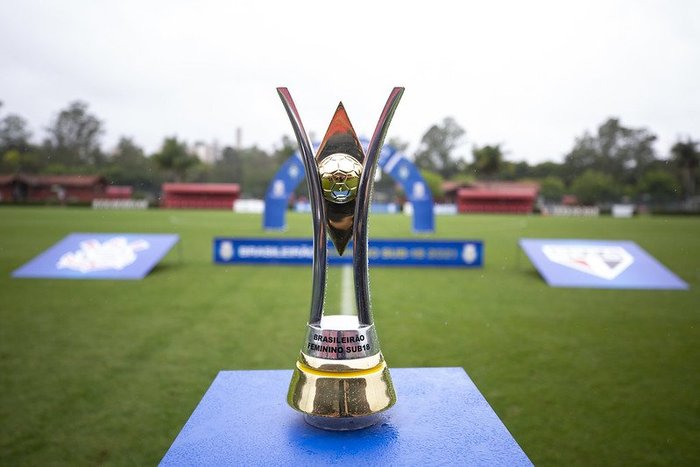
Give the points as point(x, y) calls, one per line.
point(391, 162)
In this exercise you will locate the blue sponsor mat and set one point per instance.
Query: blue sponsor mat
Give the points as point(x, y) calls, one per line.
point(381, 252)
point(598, 264)
point(440, 418)
point(100, 256)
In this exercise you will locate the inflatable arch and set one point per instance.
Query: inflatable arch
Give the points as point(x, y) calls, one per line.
point(391, 162)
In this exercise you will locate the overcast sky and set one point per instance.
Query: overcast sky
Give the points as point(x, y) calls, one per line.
point(530, 75)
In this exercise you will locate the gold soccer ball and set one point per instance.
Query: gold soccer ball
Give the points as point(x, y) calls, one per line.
point(340, 177)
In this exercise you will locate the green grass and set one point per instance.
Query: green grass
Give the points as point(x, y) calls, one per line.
point(107, 372)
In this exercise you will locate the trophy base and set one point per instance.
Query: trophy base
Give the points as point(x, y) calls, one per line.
point(342, 424)
point(341, 400)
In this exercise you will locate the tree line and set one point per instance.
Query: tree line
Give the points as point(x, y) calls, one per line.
point(72, 145)
point(615, 163)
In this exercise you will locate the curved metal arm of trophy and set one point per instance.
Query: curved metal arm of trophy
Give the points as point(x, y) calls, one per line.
point(364, 194)
point(313, 182)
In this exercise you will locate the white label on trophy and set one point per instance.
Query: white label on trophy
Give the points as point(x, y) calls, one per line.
point(342, 344)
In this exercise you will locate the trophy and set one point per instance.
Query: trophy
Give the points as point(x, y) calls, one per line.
point(341, 381)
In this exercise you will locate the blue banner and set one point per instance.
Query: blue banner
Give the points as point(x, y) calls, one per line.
point(381, 252)
point(287, 178)
point(417, 191)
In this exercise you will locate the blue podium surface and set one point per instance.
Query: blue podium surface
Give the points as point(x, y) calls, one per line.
point(440, 418)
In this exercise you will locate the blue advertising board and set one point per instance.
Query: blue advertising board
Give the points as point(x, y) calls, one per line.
point(381, 252)
point(99, 256)
point(598, 264)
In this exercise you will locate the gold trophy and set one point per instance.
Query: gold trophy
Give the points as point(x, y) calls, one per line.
point(341, 381)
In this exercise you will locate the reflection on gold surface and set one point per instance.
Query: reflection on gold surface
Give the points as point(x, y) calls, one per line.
point(344, 223)
point(341, 394)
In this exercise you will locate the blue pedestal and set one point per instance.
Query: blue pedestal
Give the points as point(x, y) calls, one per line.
point(440, 418)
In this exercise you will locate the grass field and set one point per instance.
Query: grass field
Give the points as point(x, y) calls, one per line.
point(107, 372)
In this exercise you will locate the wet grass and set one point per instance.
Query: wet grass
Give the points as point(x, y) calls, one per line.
point(107, 372)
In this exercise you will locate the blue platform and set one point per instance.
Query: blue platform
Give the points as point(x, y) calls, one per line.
point(440, 418)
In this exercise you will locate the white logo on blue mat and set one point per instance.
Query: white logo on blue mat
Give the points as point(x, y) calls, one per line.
point(606, 262)
point(93, 255)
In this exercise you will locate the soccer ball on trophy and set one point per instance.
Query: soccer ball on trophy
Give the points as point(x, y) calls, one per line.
point(340, 177)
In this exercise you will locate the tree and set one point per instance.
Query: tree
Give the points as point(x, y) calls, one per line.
point(11, 161)
point(175, 158)
point(128, 153)
point(545, 169)
point(74, 137)
point(436, 152)
point(434, 182)
point(487, 160)
point(593, 187)
point(552, 189)
point(258, 169)
point(623, 153)
point(658, 186)
point(518, 170)
point(14, 134)
point(17, 154)
point(128, 165)
point(464, 179)
point(583, 156)
point(230, 167)
point(252, 168)
point(687, 158)
point(285, 151)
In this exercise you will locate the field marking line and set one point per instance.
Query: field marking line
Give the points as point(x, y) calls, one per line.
point(346, 291)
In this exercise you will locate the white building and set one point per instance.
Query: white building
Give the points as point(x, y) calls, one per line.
point(207, 153)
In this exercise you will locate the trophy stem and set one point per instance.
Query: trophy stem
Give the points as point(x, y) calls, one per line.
point(318, 286)
point(364, 194)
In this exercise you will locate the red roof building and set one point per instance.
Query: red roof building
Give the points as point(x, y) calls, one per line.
point(7, 185)
point(498, 197)
point(200, 195)
point(119, 192)
point(61, 188)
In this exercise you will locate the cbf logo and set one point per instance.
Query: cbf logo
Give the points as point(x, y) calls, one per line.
point(293, 172)
point(606, 262)
point(226, 250)
point(469, 253)
point(113, 254)
point(418, 190)
point(279, 190)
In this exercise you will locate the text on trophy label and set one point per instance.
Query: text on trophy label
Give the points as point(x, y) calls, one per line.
point(339, 349)
point(338, 340)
